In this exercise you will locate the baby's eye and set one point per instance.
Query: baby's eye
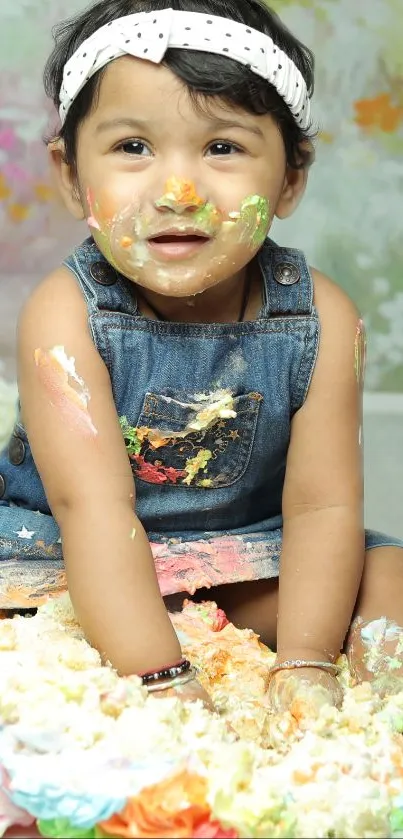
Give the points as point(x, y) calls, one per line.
point(223, 149)
point(136, 148)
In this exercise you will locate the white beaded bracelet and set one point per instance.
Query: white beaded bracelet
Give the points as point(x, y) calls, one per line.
point(297, 663)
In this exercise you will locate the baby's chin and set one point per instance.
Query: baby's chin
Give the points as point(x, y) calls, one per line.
point(174, 287)
point(178, 281)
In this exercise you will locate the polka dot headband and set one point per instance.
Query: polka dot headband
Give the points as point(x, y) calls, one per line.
point(149, 35)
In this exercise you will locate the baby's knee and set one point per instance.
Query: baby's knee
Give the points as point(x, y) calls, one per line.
point(381, 590)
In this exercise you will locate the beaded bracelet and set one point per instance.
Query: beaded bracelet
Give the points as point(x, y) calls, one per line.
point(183, 679)
point(295, 664)
point(167, 672)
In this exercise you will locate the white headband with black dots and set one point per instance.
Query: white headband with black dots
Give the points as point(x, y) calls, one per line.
point(149, 35)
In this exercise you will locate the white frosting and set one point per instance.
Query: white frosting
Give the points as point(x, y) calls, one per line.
point(68, 364)
point(72, 728)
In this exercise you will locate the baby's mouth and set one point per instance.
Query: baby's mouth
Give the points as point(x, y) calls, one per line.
point(176, 245)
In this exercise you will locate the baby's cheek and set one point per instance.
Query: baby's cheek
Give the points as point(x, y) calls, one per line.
point(109, 203)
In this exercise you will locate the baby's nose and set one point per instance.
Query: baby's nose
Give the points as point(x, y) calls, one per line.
point(180, 196)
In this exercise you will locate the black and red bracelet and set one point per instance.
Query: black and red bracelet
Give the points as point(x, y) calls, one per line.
point(166, 673)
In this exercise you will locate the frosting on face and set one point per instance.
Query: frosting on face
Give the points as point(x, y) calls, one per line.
point(183, 246)
point(180, 194)
point(253, 219)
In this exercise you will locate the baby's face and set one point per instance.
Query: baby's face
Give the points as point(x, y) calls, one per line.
point(177, 200)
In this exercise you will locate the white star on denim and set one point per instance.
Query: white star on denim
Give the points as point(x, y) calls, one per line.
point(24, 533)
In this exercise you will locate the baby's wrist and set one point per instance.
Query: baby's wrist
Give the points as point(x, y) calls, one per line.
point(175, 683)
point(300, 659)
point(305, 654)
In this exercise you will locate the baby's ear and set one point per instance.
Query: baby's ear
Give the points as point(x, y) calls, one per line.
point(65, 178)
point(295, 182)
point(293, 190)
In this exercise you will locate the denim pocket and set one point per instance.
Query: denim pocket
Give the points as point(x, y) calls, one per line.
point(193, 440)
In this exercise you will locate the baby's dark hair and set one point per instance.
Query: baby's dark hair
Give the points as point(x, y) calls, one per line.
point(204, 74)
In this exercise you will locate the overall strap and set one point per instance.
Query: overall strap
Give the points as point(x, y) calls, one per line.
point(288, 284)
point(102, 286)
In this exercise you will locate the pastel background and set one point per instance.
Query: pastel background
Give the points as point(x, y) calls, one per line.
point(350, 223)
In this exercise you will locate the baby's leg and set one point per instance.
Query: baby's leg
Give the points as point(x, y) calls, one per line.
point(375, 641)
point(250, 605)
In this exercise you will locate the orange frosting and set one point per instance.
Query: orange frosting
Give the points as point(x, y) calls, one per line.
point(173, 808)
point(56, 376)
point(182, 191)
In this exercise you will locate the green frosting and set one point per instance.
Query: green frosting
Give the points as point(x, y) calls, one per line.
point(255, 213)
point(133, 444)
point(206, 217)
point(101, 238)
point(63, 829)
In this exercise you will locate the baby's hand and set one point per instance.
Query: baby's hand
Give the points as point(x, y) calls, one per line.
point(188, 692)
point(304, 691)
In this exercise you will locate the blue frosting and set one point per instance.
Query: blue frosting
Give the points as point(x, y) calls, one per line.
point(52, 803)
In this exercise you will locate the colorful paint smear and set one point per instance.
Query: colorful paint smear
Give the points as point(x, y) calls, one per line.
point(35, 576)
point(188, 565)
point(67, 390)
point(208, 410)
point(379, 112)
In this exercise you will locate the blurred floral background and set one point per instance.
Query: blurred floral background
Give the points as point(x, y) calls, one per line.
point(350, 222)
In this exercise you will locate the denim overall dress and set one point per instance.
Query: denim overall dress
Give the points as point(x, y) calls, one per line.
point(209, 480)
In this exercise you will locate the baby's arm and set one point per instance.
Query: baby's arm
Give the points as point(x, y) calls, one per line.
point(89, 485)
point(323, 548)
